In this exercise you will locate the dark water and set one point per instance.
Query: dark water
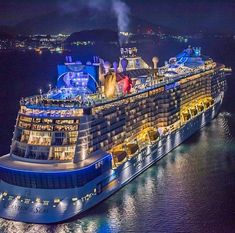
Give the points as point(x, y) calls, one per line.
point(192, 189)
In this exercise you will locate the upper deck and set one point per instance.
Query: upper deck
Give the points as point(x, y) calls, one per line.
point(68, 102)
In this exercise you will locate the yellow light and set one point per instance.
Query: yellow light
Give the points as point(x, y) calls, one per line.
point(74, 199)
point(56, 200)
point(38, 200)
point(18, 197)
point(4, 194)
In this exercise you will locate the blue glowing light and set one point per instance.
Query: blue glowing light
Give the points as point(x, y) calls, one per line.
point(172, 85)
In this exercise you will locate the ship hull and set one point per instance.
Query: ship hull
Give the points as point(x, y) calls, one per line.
point(77, 200)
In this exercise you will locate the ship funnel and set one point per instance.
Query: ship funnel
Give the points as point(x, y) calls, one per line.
point(124, 64)
point(115, 67)
point(155, 61)
point(107, 67)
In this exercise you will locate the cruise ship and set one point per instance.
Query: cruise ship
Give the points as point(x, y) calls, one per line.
point(100, 127)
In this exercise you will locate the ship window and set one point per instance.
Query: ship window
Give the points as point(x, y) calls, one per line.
point(64, 121)
point(19, 149)
point(47, 121)
point(37, 120)
point(18, 134)
point(40, 138)
point(25, 119)
point(62, 153)
point(66, 127)
point(72, 137)
point(48, 181)
point(42, 127)
point(25, 136)
point(59, 138)
point(40, 153)
point(24, 125)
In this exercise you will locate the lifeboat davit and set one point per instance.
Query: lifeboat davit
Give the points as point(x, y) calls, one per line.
point(193, 111)
point(207, 103)
point(119, 156)
point(153, 135)
point(200, 107)
point(186, 115)
point(131, 149)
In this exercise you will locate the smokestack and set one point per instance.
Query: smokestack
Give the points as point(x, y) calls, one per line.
point(155, 61)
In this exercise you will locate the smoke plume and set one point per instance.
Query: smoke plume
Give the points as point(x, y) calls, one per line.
point(118, 8)
point(121, 11)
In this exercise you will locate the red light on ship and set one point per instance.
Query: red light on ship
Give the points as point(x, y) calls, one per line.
point(127, 85)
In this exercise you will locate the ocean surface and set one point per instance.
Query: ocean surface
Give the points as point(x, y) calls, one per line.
point(192, 189)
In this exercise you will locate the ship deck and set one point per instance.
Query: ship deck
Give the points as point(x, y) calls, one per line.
point(9, 162)
point(43, 102)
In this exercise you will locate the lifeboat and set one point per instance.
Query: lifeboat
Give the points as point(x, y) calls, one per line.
point(153, 135)
point(165, 131)
point(207, 103)
point(193, 111)
point(210, 101)
point(119, 156)
point(131, 148)
point(142, 138)
point(200, 107)
point(186, 115)
point(147, 136)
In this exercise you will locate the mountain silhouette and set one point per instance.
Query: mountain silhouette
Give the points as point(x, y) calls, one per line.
point(87, 19)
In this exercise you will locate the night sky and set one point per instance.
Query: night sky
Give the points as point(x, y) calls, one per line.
point(184, 15)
